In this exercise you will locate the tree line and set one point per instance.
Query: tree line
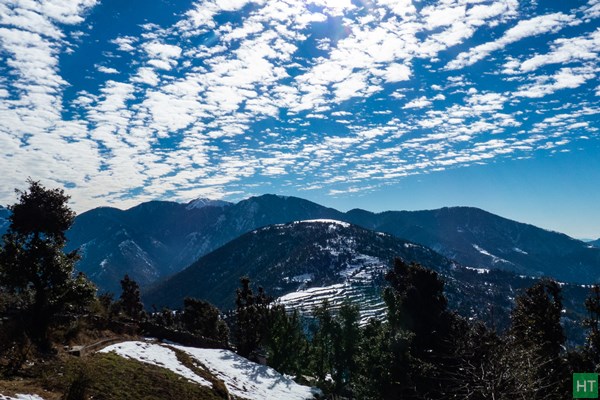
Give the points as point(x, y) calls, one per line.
point(422, 350)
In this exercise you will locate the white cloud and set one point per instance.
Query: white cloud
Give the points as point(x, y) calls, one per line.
point(420, 102)
point(106, 70)
point(565, 51)
point(147, 76)
point(125, 43)
point(531, 27)
point(397, 72)
point(565, 78)
point(187, 118)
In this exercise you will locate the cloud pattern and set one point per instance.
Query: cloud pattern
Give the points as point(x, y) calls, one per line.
point(223, 99)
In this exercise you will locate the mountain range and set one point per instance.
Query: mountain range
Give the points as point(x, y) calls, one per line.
point(303, 263)
point(157, 239)
point(302, 252)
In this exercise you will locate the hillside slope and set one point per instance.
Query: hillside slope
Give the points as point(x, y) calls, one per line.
point(477, 238)
point(242, 378)
point(285, 257)
point(303, 263)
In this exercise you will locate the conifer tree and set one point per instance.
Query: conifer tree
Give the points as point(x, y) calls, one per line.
point(251, 318)
point(202, 318)
point(347, 346)
point(286, 343)
point(130, 300)
point(33, 264)
point(536, 337)
point(417, 313)
point(592, 323)
point(384, 364)
point(324, 337)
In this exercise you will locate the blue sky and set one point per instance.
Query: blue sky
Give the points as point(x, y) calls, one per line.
point(387, 104)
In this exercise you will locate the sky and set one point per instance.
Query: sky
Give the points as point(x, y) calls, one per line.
point(380, 105)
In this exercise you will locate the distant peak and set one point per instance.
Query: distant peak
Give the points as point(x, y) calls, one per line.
point(204, 202)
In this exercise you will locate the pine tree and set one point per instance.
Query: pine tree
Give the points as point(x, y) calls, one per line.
point(347, 346)
point(286, 343)
point(384, 364)
point(417, 313)
point(536, 336)
point(324, 335)
point(33, 264)
point(202, 318)
point(130, 300)
point(251, 318)
point(592, 323)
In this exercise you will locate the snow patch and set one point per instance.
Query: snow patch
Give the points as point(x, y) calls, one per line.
point(479, 270)
point(495, 259)
point(155, 354)
point(324, 221)
point(518, 250)
point(243, 378)
point(21, 397)
point(304, 278)
point(247, 379)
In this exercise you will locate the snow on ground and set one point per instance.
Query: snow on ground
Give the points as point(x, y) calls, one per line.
point(155, 354)
point(323, 221)
point(247, 379)
point(305, 301)
point(242, 377)
point(21, 397)
point(495, 259)
point(304, 278)
point(479, 270)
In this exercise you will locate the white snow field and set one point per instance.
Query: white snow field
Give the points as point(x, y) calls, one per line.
point(21, 397)
point(247, 379)
point(155, 354)
point(243, 378)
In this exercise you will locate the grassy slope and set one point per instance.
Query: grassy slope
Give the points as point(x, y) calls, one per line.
point(110, 376)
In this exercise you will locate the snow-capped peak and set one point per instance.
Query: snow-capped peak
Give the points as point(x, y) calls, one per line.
point(203, 202)
point(324, 221)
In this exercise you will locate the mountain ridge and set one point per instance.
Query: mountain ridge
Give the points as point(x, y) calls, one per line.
point(159, 238)
point(303, 263)
point(285, 257)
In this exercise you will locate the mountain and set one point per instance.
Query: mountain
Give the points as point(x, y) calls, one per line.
point(157, 239)
point(148, 241)
point(595, 243)
point(305, 262)
point(286, 257)
point(204, 202)
point(478, 238)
